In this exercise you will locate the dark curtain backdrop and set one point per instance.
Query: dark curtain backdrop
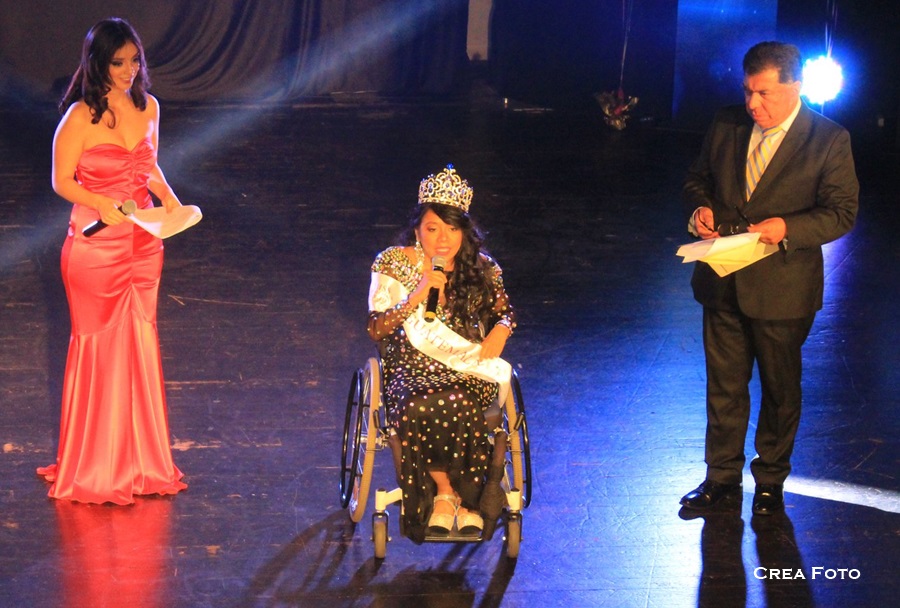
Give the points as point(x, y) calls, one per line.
point(246, 50)
point(562, 52)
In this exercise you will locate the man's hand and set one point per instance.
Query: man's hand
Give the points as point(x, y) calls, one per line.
point(704, 223)
point(771, 231)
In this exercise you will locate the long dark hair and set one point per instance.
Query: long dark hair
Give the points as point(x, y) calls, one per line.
point(469, 291)
point(91, 81)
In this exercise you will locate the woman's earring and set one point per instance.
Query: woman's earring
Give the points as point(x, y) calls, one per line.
point(420, 256)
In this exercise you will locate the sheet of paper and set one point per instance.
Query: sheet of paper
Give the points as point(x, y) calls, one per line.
point(698, 250)
point(162, 224)
point(724, 268)
point(727, 254)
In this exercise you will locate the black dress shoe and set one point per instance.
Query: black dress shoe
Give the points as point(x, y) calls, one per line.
point(707, 494)
point(768, 499)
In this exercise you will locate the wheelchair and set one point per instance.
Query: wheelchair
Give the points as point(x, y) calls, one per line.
point(366, 433)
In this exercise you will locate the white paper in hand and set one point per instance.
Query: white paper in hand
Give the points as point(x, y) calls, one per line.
point(729, 253)
point(162, 224)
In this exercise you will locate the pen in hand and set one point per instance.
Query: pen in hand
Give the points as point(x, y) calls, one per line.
point(698, 217)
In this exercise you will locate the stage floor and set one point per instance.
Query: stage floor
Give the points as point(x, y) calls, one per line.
point(262, 321)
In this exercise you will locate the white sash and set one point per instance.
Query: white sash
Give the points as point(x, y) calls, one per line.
point(437, 340)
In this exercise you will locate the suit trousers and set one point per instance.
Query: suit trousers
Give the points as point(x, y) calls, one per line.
point(732, 342)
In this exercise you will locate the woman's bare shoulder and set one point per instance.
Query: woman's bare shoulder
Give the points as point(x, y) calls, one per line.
point(152, 104)
point(78, 114)
point(75, 123)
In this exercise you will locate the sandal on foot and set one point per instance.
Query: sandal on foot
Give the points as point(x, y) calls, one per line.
point(469, 523)
point(440, 524)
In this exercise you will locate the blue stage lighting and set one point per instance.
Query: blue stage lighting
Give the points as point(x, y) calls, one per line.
point(822, 79)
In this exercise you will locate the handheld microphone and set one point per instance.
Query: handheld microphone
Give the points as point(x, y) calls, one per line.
point(437, 263)
point(127, 208)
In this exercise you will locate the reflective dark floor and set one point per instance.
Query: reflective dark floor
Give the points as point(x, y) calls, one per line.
point(262, 313)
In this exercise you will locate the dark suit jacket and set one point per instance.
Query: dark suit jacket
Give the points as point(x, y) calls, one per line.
point(810, 182)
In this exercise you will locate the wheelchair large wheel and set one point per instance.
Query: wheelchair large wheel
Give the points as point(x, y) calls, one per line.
point(360, 438)
point(519, 448)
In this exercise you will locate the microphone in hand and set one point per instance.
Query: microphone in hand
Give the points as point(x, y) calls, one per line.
point(437, 263)
point(127, 208)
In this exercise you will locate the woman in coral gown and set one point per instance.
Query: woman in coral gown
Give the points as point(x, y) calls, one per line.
point(114, 434)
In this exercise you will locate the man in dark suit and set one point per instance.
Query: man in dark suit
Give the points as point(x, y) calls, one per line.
point(776, 167)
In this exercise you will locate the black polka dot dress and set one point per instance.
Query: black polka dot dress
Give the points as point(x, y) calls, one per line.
point(437, 412)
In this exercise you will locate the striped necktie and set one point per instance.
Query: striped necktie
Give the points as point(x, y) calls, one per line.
point(756, 162)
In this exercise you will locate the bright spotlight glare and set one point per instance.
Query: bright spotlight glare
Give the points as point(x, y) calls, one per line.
point(822, 79)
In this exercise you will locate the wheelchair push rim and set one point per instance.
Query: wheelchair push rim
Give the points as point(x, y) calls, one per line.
point(350, 440)
point(519, 446)
point(360, 439)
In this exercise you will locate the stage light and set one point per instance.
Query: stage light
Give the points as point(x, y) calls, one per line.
point(822, 79)
point(840, 491)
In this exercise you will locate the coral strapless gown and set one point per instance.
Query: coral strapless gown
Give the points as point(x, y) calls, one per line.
point(114, 432)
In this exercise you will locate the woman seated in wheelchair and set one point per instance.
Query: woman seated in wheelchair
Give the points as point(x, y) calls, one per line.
point(442, 370)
